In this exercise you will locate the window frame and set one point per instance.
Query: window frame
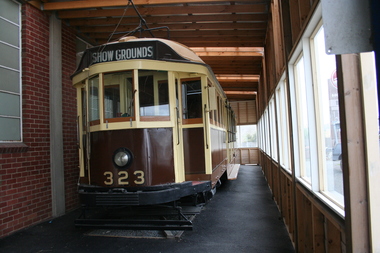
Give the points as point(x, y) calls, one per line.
point(156, 95)
point(185, 117)
point(273, 132)
point(302, 115)
point(283, 127)
point(322, 187)
point(119, 119)
point(19, 117)
point(303, 47)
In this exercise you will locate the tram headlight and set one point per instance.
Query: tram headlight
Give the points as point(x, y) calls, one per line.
point(122, 158)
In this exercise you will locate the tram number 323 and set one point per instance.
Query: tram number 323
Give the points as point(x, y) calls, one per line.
point(123, 176)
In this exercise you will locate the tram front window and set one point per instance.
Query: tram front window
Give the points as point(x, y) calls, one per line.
point(118, 95)
point(154, 94)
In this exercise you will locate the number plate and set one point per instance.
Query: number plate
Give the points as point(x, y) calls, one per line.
point(123, 177)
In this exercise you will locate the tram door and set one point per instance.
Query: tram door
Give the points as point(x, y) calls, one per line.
point(192, 129)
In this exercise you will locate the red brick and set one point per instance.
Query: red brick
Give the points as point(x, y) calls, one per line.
point(26, 176)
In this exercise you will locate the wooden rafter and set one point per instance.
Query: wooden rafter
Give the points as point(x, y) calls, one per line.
point(163, 10)
point(67, 5)
point(228, 35)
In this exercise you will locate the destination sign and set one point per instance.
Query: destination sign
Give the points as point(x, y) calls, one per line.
point(130, 50)
point(122, 54)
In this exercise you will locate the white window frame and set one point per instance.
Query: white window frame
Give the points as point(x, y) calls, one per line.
point(19, 93)
point(320, 139)
point(273, 132)
point(259, 134)
point(303, 47)
point(283, 124)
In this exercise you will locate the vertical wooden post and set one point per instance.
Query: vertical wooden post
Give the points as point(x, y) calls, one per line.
point(353, 153)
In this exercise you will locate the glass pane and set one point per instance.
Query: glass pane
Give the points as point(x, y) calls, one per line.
point(246, 136)
point(118, 95)
point(329, 118)
point(192, 99)
point(9, 56)
point(303, 123)
point(267, 137)
point(10, 80)
point(10, 105)
point(273, 130)
point(153, 93)
point(93, 99)
point(9, 33)
point(282, 124)
point(10, 129)
point(10, 10)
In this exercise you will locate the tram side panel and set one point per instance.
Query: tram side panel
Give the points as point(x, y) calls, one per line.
point(218, 154)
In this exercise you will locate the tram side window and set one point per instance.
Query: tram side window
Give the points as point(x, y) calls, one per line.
point(153, 93)
point(231, 126)
point(93, 98)
point(118, 95)
point(192, 99)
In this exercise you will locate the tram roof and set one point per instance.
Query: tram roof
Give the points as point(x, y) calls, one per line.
point(130, 48)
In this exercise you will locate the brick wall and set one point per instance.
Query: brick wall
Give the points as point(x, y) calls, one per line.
point(25, 183)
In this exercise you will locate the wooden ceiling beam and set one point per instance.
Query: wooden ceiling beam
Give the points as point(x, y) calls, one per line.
point(234, 71)
point(190, 26)
point(163, 20)
point(238, 88)
point(216, 39)
point(200, 42)
point(225, 68)
point(246, 85)
point(167, 10)
point(178, 35)
point(246, 58)
point(257, 52)
point(241, 97)
point(83, 4)
point(224, 44)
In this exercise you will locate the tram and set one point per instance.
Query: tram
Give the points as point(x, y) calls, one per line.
point(154, 124)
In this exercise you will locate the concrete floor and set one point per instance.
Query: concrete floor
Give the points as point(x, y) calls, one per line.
point(241, 217)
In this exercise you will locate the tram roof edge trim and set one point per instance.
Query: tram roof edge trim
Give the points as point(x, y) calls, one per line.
point(146, 48)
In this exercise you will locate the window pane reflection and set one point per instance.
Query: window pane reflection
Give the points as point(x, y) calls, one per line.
point(330, 140)
point(303, 123)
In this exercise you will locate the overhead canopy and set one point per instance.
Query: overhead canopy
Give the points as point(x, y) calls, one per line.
point(228, 35)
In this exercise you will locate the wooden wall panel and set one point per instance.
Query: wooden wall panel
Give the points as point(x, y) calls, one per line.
point(319, 231)
point(295, 19)
point(245, 111)
point(276, 186)
point(333, 238)
point(247, 156)
point(278, 40)
point(312, 226)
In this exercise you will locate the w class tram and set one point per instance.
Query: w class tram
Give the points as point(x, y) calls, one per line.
point(154, 124)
